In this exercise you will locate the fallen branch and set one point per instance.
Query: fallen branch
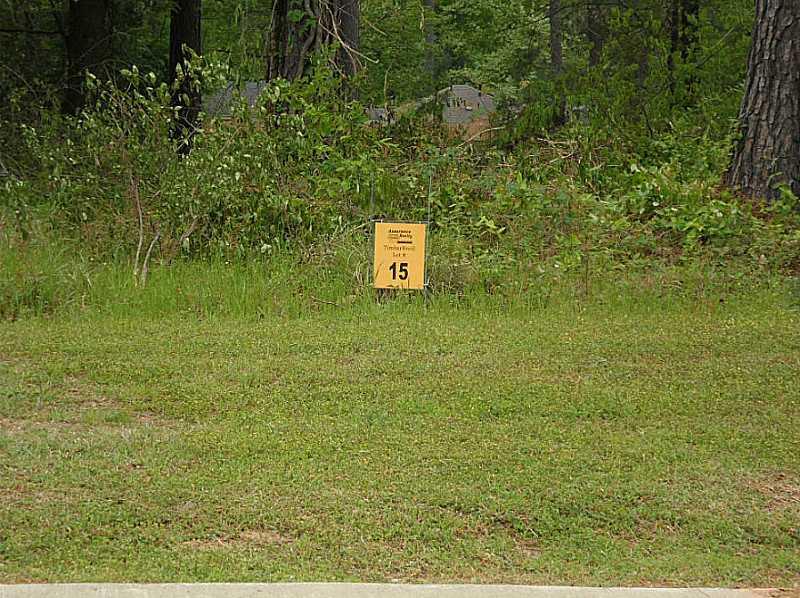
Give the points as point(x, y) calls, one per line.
point(323, 301)
point(188, 232)
point(479, 133)
point(143, 277)
point(134, 189)
point(29, 32)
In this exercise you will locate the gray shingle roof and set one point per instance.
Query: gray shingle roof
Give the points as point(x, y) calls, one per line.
point(463, 104)
point(379, 115)
point(220, 103)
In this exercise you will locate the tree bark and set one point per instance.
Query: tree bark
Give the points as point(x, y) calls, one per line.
point(349, 30)
point(557, 59)
point(596, 32)
point(674, 42)
point(88, 47)
point(431, 40)
point(286, 42)
point(185, 38)
point(768, 153)
point(301, 27)
point(690, 15)
point(643, 68)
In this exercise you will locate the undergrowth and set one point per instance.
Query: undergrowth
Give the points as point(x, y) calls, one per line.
point(272, 209)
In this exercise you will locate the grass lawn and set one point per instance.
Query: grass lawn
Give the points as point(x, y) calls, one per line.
point(636, 444)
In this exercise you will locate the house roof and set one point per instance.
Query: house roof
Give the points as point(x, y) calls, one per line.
point(461, 104)
point(379, 115)
point(220, 103)
point(464, 103)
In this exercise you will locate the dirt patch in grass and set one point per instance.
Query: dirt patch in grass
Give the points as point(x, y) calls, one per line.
point(528, 548)
point(24, 426)
point(22, 493)
point(74, 403)
point(252, 538)
point(84, 392)
point(6, 359)
point(11, 426)
point(781, 489)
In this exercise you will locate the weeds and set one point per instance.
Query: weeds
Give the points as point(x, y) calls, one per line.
point(282, 194)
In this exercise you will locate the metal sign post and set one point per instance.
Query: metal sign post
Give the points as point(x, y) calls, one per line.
point(400, 250)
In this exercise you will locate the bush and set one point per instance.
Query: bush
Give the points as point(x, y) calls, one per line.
point(304, 167)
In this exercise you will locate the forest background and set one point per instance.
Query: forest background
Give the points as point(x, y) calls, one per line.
point(617, 125)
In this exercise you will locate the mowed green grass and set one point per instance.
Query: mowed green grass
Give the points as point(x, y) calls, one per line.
point(650, 443)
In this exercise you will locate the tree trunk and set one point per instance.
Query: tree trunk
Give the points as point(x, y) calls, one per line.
point(184, 38)
point(293, 36)
point(557, 59)
point(431, 66)
point(768, 152)
point(88, 47)
point(349, 21)
point(674, 42)
point(690, 15)
point(643, 69)
point(301, 27)
point(596, 32)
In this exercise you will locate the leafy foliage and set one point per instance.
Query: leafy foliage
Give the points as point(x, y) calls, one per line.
point(632, 178)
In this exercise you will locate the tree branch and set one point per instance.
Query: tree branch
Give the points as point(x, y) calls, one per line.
point(29, 32)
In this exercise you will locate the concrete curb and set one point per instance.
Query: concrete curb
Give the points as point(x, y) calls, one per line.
point(351, 590)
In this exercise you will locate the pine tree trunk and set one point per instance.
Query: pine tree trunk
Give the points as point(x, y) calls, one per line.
point(88, 47)
point(348, 21)
point(291, 37)
point(674, 42)
point(643, 69)
point(185, 35)
point(596, 31)
point(431, 39)
point(690, 15)
point(768, 152)
point(302, 27)
point(557, 59)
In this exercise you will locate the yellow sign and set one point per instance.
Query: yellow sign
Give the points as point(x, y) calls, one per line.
point(399, 261)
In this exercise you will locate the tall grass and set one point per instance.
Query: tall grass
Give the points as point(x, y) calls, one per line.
point(47, 275)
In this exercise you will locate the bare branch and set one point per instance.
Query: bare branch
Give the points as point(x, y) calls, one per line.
point(29, 32)
point(134, 187)
point(147, 257)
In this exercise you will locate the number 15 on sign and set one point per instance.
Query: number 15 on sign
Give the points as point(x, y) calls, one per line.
point(399, 259)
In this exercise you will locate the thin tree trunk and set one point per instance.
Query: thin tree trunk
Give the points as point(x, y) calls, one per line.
point(768, 152)
point(674, 41)
point(293, 34)
point(596, 32)
point(88, 47)
point(690, 14)
point(349, 15)
point(431, 66)
point(643, 68)
point(301, 27)
point(185, 38)
point(278, 32)
point(557, 59)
